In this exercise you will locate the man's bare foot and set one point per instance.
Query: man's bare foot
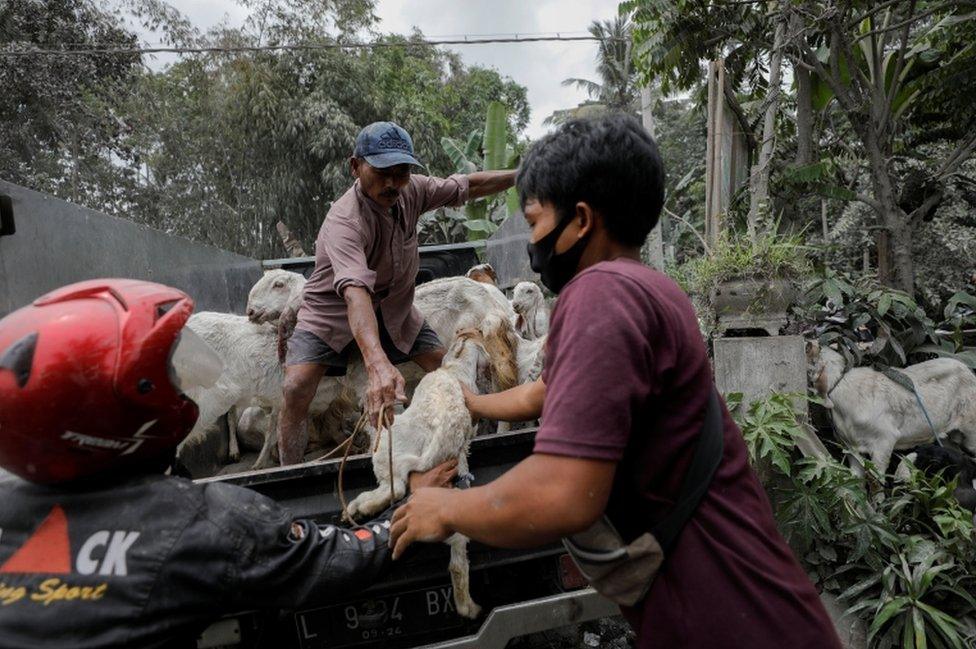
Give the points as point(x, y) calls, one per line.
point(441, 475)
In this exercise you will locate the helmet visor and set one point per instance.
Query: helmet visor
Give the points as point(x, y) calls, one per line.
point(193, 363)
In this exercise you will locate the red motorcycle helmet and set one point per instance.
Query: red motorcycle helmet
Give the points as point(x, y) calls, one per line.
point(93, 379)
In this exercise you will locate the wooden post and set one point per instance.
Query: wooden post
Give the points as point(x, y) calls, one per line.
point(714, 205)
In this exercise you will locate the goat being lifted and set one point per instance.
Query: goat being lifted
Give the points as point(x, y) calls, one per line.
point(435, 428)
point(874, 415)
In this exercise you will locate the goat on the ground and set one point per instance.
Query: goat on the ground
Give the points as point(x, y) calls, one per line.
point(873, 415)
point(325, 429)
point(932, 458)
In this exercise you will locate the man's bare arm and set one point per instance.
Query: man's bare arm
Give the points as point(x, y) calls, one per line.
point(521, 403)
point(543, 498)
point(485, 183)
point(386, 384)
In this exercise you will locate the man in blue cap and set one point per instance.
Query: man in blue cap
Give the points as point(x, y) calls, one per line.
point(361, 291)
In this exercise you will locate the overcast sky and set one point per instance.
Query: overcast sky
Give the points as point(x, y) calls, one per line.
point(540, 67)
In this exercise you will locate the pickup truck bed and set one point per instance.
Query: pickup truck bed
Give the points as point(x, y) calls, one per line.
point(520, 591)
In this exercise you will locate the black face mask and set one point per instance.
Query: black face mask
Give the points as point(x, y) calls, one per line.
point(555, 269)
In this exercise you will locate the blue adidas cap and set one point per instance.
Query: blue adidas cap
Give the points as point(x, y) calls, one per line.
point(385, 144)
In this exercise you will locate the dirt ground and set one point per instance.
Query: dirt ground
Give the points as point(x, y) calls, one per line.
point(606, 633)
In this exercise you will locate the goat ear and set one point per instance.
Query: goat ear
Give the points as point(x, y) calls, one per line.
point(820, 385)
point(500, 344)
point(812, 350)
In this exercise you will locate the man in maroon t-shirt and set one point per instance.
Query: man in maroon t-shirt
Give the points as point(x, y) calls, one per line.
point(624, 389)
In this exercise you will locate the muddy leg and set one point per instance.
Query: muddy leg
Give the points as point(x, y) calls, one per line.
point(460, 577)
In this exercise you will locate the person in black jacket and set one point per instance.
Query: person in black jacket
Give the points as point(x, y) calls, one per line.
point(98, 547)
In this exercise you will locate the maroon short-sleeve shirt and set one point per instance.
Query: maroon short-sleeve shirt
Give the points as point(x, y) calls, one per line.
point(627, 380)
point(363, 244)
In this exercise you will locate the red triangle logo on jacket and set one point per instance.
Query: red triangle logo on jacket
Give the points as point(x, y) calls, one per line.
point(47, 550)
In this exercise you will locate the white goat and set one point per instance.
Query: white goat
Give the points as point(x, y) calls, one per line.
point(874, 415)
point(530, 357)
point(324, 429)
point(273, 293)
point(448, 304)
point(483, 273)
point(531, 310)
point(251, 376)
point(435, 428)
point(452, 303)
point(252, 427)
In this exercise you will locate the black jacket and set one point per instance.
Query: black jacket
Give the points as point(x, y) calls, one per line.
point(154, 558)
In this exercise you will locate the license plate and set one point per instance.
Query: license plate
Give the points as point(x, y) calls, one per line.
point(379, 619)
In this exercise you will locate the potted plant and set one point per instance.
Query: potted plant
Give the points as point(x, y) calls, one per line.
point(750, 284)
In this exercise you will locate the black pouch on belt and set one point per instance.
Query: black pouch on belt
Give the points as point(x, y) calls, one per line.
point(623, 572)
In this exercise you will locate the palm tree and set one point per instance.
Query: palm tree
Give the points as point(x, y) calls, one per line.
point(617, 90)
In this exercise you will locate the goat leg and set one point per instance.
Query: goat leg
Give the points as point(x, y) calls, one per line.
point(265, 457)
point(234, 448)
point(460, 577)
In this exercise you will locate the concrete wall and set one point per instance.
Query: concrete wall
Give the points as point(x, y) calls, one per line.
point(758, 366)
point(505, 251)
point(57, 243)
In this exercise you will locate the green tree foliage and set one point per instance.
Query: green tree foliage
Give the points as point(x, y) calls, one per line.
point(674, 40)
point(219, 147)
point(616, 89)
point(680, 133)
point(878, 81)
point(487, 149)
point(61, 115)
point(901, 557)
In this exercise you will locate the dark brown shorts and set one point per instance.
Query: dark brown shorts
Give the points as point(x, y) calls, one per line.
point(305, 347)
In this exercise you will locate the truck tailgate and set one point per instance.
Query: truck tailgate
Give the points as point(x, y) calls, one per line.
point(413, 605)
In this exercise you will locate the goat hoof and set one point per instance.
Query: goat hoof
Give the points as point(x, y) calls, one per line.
point(468, 609)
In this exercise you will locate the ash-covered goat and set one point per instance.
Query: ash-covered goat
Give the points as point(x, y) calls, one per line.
point(435, 428)
point(874, 415)
point(531, 310)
